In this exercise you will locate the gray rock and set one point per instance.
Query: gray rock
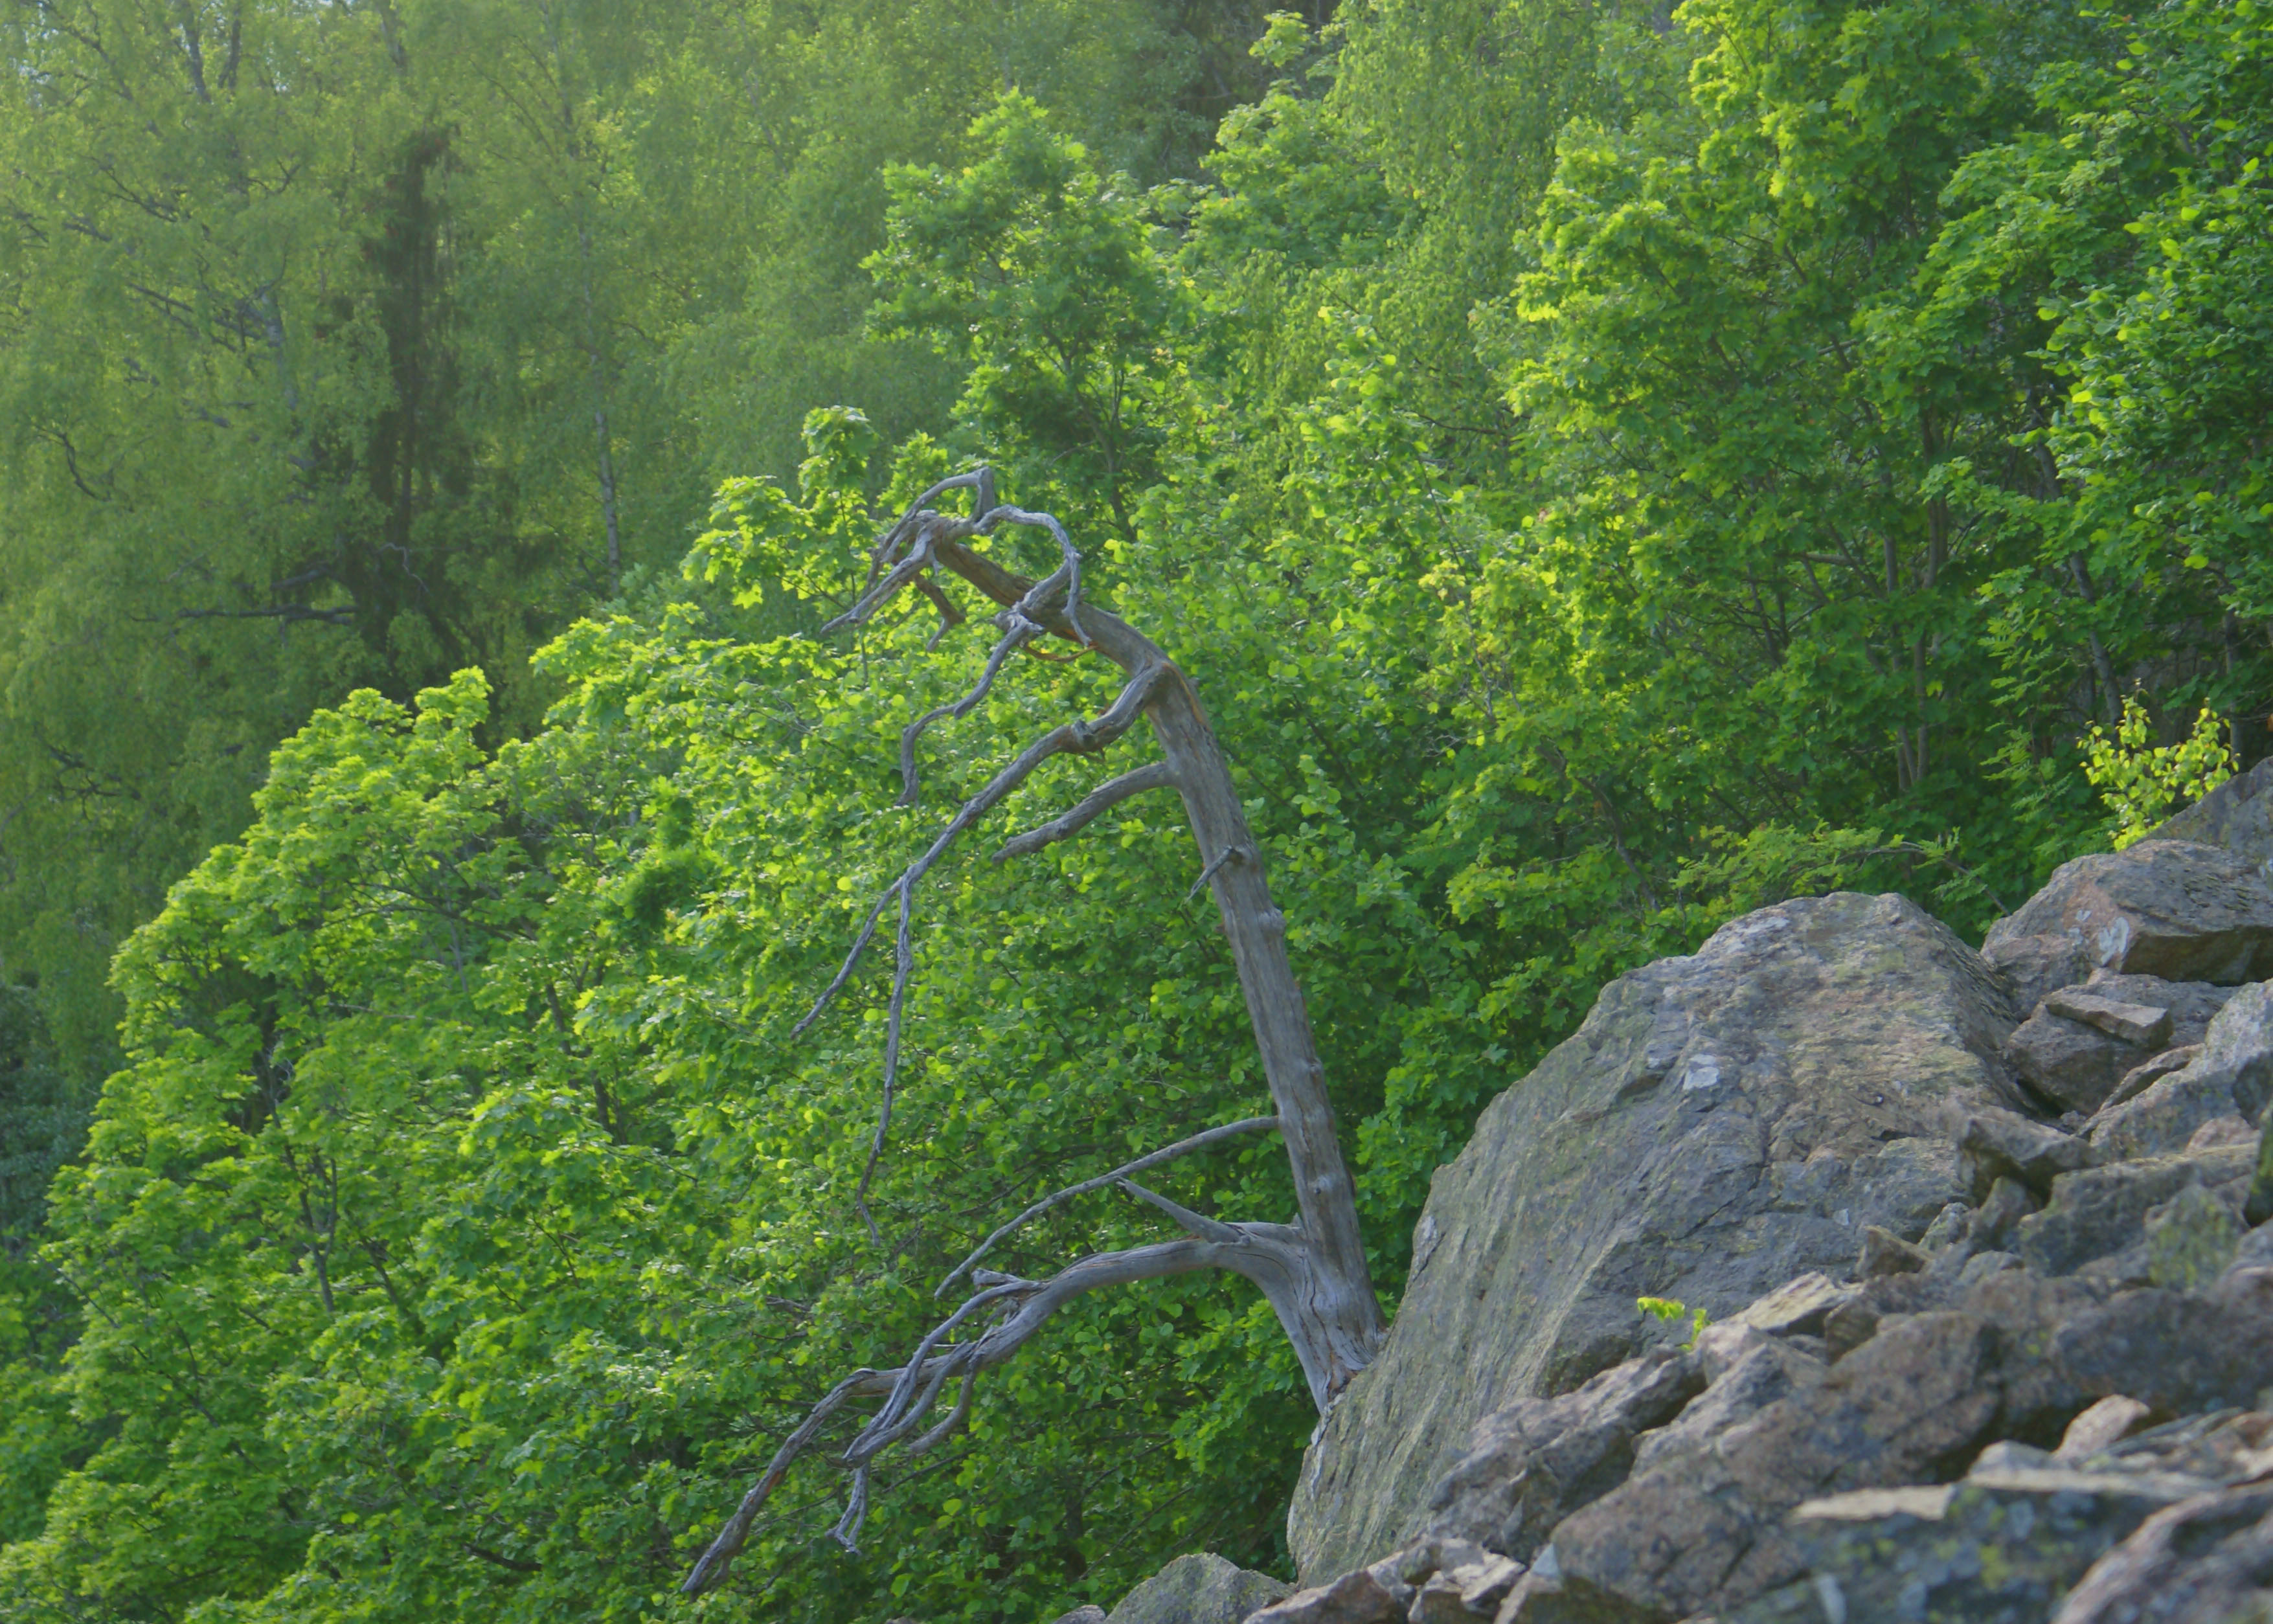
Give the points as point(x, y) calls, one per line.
point(1884, 1253)
point(2106, 1424)
point(1796, 1307)
point(1721, 1124)
point(2191, 1238)
point(2221, 1446)
point(2080, 1047)
point(2255, 1250)
point(2101, 1212)
point(2000, 1545)
point(2165, 908)
point(1760, 1370)
point(2177, 1351)
point(2232, 1075)
point(1358, 1597)
point(1089, 1614)
point(1981, 1265)
point(1199, 1589)
point(1998, 1144)
point(1706, 1534)
point(2207, 1560)
point(1531, 1464)
point(2257, 1208)
point(1463, 1594)
point(2034, 967)
point(2140, 1025)
point(2144, 1075)
point(2074, 1066)
point(1997, 1223)
point(2237, 815)
point(2193, 1005)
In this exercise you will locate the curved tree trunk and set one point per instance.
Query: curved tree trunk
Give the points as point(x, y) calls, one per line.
point(1314, 1273)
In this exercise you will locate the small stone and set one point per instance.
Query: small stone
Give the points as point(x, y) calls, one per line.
point(2139, 1078)
point(2160, 907)
point(2190, 1239)
point(1948, 1229)
point(2035, 965)
point(1981, 1265)
point(1850, 1326)
point(1998, 1221)
point(2106, 1424)
point(1994, 1145)
point(1439, 1602)
point(1886, 1252)
point(2002, 1544)
point(2222, 1131)
point(1090, 1614)
point(1462, 1595)
point(1484, 1584)
point(2009, 1454)
point(2177, 1351)
point(2232, 1075)
point(2138, 1024)
point(1534, 1462)
point(1357, 1598)
point(2100, 1213)
point(1798, 1306)
point(2205, 1559)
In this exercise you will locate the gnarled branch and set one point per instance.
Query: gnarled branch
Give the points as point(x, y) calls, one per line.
point(1058, 1198)
point(1104, 798)
point(1314, 1273)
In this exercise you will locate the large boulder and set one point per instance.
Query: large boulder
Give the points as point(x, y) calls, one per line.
point(2237, 815)
point(1721, 1124)
point(2166, 908)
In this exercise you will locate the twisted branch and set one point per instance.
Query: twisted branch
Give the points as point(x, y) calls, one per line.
point(1313, 1273)
point(1182, 1147)
point(1157, 775)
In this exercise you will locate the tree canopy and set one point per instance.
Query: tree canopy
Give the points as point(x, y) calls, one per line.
point(1603, 469)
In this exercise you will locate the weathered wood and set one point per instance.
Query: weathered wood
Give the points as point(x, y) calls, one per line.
point(1313, 1273)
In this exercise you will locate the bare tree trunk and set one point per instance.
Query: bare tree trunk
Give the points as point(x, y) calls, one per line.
point(1314, 1272)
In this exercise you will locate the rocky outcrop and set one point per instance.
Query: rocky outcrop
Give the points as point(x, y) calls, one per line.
point(2165, 908)
point(1989, 1302)
point(1195, 1589)
point(1721, 1124)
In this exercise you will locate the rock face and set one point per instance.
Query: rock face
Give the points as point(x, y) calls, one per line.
point(1721, 1123)
point(1991, 1302)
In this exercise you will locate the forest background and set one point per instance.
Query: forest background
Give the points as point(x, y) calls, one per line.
point(1604, 468)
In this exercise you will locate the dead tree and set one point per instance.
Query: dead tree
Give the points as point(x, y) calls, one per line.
point(1313, 1271)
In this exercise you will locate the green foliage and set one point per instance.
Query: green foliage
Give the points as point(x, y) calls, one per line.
point(1605, 471)
point(1665, 1310)
point(2143, 783)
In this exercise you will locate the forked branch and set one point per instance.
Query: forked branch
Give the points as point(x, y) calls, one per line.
point(1314, 1273)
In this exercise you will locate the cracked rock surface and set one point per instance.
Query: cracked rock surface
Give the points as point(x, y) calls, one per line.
point(1989, 1326)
